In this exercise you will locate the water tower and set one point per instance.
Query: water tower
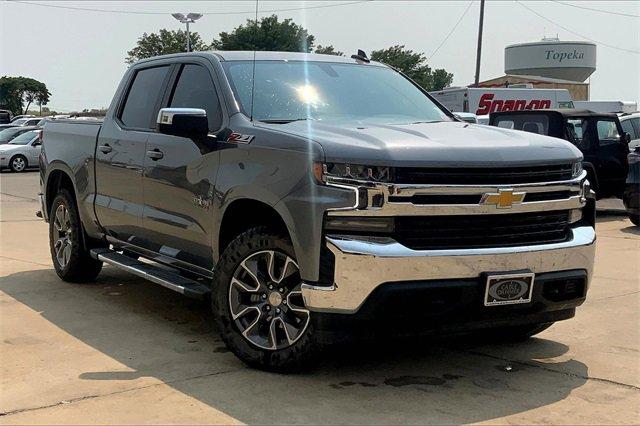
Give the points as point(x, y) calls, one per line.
point(567, 60)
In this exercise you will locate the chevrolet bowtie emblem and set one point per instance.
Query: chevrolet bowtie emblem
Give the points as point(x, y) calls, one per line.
point(503, 199)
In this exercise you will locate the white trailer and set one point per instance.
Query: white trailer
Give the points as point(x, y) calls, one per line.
point(485, 100)
point(618, 107)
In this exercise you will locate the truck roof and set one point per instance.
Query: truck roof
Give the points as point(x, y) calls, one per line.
point(248, 55)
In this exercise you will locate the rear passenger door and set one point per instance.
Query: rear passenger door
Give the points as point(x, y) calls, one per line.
point(179, 174)
point(121, 150)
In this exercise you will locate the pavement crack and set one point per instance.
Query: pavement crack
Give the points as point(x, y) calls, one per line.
point(25, 261)
point(552, 370)
point(616, 295)
point(88, 397)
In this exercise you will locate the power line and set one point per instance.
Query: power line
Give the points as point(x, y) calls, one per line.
point(575, 33)
point(133, 12)
point(596, 10)
point(452, 30)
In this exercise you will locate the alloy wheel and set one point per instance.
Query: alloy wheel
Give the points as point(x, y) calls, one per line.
point(265, 300)
point(62, 245)
point(18, 164)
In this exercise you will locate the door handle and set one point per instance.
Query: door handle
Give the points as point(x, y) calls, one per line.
point(105, 149)
point(155, 154)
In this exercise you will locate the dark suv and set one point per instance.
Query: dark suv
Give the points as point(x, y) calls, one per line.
point(599, 136)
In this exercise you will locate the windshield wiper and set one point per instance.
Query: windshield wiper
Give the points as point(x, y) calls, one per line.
point(285, 121)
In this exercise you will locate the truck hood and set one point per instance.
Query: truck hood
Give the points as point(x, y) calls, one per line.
point(431, 144)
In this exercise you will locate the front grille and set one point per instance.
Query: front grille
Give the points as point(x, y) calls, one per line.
point(479, 231)
point(453, 199)
point(481, 176)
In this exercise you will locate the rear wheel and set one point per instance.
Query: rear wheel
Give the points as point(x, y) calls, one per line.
point(18, 163)
point(70, 258)
point(258, 302)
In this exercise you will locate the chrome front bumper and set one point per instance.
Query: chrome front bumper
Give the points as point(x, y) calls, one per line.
point(362, 264)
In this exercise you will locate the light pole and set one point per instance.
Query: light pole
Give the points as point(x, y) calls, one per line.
point(189, 19)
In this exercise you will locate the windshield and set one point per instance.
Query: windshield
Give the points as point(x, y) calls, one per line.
point(24, 138)
point(19, 121)
point(7, 134)
point(297, 90)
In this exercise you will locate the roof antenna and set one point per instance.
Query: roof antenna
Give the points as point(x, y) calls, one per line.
point(361, 56)
point(253, 73)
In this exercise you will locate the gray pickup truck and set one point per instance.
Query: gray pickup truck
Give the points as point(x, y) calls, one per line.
point(307, 196)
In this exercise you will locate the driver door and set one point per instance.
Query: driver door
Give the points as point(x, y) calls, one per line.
point(179, 176)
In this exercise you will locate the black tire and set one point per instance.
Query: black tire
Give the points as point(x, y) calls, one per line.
point(516, 333)
point(18, 163)
point(296, 356)
point(73, 263)
point(635, 219)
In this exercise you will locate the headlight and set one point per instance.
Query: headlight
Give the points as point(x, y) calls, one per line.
point(577, 169)
point(354, 172)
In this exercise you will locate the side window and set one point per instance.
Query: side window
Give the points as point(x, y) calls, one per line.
point(627, 127)
point(195, 90)
point(577, 128)
point(139, 107)
point(636, 124)
point(607, 132)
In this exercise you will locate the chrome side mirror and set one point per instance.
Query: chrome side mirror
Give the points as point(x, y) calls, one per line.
point(186, 122)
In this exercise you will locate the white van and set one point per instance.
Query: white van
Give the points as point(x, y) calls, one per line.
point(485, 100)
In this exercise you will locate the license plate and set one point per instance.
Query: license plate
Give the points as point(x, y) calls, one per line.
point(508, 289)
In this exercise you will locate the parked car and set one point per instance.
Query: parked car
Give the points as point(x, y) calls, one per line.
point(5, 116)
point(304, 194)
point(631, 196)
point(631, 124)
point(22, 152)
point(7, 135)
point(19, 117)
point(22, 122)
point(600, 138)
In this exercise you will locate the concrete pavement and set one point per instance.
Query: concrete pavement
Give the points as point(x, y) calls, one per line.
point(123, 350)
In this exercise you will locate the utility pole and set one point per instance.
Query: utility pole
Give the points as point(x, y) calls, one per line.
point(189, 19)
point(479, 51)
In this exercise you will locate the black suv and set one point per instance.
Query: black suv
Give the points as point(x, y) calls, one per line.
point(600, 137)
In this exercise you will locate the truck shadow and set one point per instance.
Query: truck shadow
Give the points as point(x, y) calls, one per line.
point(156, 333)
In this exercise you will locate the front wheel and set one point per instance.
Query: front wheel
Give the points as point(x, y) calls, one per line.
point(18, 163)
point(70, 258)
point(258, 304)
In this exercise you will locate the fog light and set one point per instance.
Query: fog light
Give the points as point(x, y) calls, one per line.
point(359, 224)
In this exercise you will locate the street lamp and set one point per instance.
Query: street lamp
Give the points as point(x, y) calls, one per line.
point(189, 19)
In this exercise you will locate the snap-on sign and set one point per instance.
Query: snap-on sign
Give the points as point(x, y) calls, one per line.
point(488, 105)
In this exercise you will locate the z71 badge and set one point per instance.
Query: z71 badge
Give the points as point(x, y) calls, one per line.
point(239, 138)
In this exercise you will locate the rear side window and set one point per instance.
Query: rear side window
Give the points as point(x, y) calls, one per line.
point(533, 123)
point(607, 132)
point(139, 107)
point(195, 90)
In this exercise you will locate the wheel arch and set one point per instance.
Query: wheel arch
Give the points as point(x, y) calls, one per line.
point(246, 213)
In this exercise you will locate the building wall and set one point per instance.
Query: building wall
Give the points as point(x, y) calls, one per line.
point(579, 91)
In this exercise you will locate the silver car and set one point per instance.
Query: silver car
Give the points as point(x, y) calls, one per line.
point(21, 152)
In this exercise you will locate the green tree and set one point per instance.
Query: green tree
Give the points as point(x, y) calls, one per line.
point(17, 91)
point(163, 43)
point(267, 34)
point(328, 50)
point(414, 65)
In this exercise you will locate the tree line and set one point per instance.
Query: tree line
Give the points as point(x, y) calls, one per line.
point(272, 34)
point(17, 94)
